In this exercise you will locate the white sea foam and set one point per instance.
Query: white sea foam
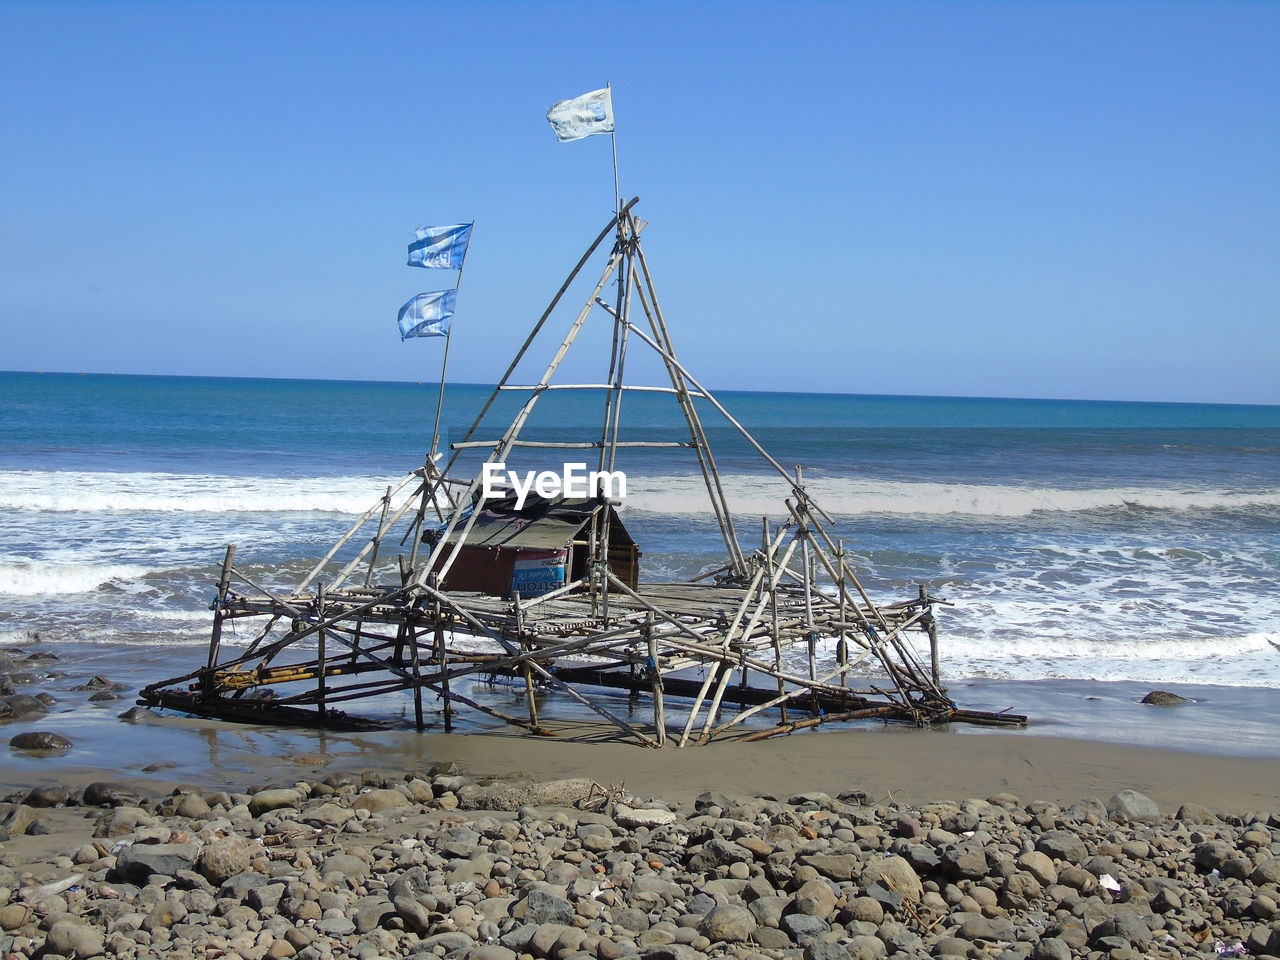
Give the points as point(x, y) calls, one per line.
point(1246, 660)
point(68, 492)
point(39, 578)
point(749, 494)
point(754, 495)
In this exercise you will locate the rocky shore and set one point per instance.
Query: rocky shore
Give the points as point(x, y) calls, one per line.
point(439, 864)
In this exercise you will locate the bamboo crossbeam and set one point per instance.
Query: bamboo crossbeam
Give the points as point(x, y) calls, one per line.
point(629, 387)
point(564, 445)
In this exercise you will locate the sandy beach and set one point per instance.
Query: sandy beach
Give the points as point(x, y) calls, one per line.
point(914, 766)
point(905, 844)
point(174, 836)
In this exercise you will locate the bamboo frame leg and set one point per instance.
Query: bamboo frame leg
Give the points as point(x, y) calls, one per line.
point(417, 680)
point(320, 641)
point(659, 708)
point(215, 636)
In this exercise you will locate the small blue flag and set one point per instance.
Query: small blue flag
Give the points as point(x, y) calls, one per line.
point(443, 248)
point(428, 314)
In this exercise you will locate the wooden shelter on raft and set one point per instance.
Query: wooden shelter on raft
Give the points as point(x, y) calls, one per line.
point(532, 549)
point(550, 593)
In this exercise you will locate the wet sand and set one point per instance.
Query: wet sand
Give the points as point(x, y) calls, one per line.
point(903, 764)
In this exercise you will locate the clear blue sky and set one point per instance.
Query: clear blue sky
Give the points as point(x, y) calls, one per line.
point(993, 199)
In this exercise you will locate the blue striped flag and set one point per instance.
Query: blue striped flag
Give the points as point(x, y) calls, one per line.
point(443, 248)
point(428, 314)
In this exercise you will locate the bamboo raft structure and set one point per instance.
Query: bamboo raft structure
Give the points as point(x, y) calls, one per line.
point(708, 654)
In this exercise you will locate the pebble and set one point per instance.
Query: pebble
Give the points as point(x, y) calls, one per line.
point(436, 864)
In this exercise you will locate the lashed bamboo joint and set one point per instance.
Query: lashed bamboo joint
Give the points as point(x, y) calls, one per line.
point(456, 613)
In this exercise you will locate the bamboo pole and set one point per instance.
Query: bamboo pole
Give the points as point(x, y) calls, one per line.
point(659, 709)
point(417, 676)
point(215, 636)
point(865, 714)
point(320, 636)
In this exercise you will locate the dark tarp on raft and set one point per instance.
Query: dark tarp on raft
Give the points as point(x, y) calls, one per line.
point(538, 548)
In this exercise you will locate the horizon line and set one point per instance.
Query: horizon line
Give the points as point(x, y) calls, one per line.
point(725, 390)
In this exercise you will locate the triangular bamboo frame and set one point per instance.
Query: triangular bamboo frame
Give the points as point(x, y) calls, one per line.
point(596, 633)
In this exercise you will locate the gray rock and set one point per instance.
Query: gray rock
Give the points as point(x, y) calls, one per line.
point(865, 947)
point(379, 801)
point(102, 793)
point(1195, 813)
point(346, 864)
point(816, 898)
point(828, 950)
point(986, 928)
point(224, 857)
point(237, 888)
point(45, 797)
point(136, 862)
point(1212, 854)
point(718, 853)
point(281, 798)
point(670, 951)
point(414, 915)
point(1266, 872)
point(542, 907)
point(39, 740)
point(1051, 948)
point(839, 867)
point(648, 818)
point(865, 910)
point(459, 842)
point(451, 943)
point(632, 919)
point(768, 910)
point(890, 901)
point(728, 922)
point(1039, 866)
point(804, 929)
point(19, 706)
point(1125, 925)
point(326, 815)
point(71, 939)
point(491, 951)
point(1082, 810)
point(134, 714)
point(514, 794)
point(894, 873)
point(1134, 807)
point(266, 895)
point(1062, 845)
point(519, 937)
point(1163, 698)
point(952, 947)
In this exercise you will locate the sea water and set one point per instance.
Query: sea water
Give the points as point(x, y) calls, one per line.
point(1076, 542)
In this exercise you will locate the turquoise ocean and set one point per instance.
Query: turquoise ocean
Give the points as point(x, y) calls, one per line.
point(1091, 551)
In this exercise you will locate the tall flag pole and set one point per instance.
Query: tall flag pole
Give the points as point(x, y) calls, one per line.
point(613, 139)
point(431, 314)
point(586, 116)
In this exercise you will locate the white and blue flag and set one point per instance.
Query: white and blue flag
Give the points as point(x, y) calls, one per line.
point(443, 248)
point(428, 314)
point(583, 116)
